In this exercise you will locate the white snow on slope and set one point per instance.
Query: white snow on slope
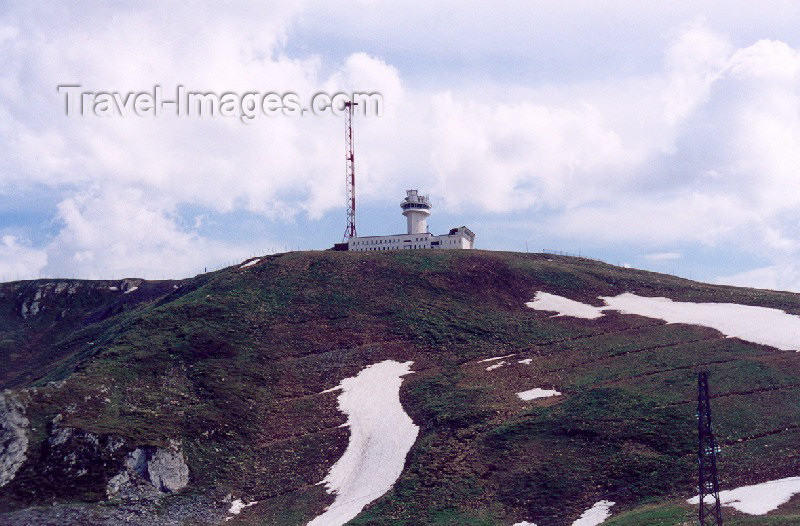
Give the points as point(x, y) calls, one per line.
point(132, 289)
point(250, 263)
point(237, 506)
point(496, 366)
point(762, 325)
point(537, 393)
point(564, 306)
point(758, 499)
point(595, 515)
point(496, 358)
point(381, 434)
point(526, 361)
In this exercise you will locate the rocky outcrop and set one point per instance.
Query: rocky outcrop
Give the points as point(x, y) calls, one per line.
point(107, 466)
point(55, 297)
point(32, 306)
point(150, 471)
point(78, 462)
point(13, 437)
point(168, 470)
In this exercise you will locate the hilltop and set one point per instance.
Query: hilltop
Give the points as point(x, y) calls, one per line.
point(222, 385)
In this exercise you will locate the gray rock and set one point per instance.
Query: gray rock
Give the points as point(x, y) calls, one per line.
point(168, 470)
point(117, 484)
point(35, 305)
point(13, 438)
point(189, 509)
point(60, 435)
point(79, 458)
point(150, 472)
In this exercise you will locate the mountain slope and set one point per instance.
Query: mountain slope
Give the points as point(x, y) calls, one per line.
point(225, 372)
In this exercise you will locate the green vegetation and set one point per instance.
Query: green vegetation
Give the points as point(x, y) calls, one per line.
point(231, 364)
point(666, 515)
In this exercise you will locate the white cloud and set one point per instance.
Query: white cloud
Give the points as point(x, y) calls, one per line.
point(663, 256)
point(124, 178)
point(690, 217)
point(504, 157)
point(774, 277)
point(213, 162)
point(694, 61)
point(111, 233)
point(731, 175)
point(18, 261)
point(651, 125)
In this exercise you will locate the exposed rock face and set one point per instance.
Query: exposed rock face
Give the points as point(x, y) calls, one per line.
point(13, 438)
point(150, 471)
point(168, 470)
point(129, 285)
point(32, 307)
point(74, 458)
point(34, 300)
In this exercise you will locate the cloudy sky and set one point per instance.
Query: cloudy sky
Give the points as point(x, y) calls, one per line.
point(663, 135)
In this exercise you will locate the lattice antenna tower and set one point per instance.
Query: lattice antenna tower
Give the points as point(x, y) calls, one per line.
point(708, 484)
point(350, 171)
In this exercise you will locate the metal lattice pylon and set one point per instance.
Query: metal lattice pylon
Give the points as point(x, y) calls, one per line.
point(710, 513)
point(350, 169)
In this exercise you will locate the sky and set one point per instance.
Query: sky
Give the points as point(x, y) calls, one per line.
point(660, 135)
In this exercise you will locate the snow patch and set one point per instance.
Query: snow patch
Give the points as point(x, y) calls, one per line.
point(250, 263)
point(381, 434)
point(595, 515)
point(496, 358)
point(496, 366)
point(526, 361)
point(131, 290)
point(538, 393)
point(758, 499)
point(762, 325)
point(237, 506)
point(564, 306)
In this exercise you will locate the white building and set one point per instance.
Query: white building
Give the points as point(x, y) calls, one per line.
point(416, 208)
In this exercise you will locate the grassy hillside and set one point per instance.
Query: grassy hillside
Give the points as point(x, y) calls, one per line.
point(231, 364)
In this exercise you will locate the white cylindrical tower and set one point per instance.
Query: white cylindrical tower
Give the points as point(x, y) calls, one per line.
point(416, 208)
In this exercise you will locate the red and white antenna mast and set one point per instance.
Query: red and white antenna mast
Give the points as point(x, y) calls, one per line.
point(350, 231)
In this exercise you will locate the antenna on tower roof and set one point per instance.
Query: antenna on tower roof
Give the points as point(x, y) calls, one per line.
point(350, 230)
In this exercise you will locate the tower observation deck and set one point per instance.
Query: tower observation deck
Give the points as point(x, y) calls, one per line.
point(416, 208)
